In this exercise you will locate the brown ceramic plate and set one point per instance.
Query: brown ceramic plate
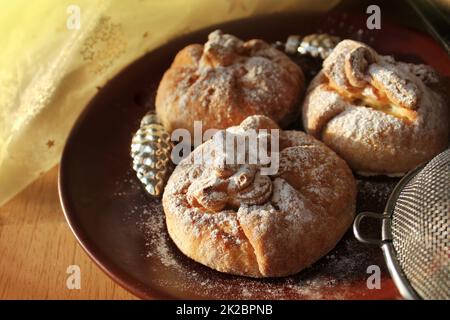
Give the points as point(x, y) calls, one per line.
point(122, 228)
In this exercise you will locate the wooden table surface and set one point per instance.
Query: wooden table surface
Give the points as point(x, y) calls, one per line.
point(37, 246)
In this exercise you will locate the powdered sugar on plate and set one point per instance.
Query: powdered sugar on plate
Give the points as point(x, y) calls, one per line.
point(342, 274)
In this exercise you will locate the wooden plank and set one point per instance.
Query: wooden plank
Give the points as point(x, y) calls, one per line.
point(37, 246)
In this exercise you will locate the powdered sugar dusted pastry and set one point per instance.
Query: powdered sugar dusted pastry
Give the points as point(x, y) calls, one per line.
point(380, 115)
point(234, 219)
point(226, 80)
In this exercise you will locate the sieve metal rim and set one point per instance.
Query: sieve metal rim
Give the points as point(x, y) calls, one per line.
point(385, 243)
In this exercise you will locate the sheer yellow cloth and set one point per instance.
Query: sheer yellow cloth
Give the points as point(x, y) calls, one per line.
point(54, 53)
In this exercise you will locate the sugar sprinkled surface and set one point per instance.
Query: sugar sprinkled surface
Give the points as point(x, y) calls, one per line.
point(228, 74)
point(339, 275)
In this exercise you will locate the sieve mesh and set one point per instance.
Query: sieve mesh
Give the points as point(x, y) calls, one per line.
point(420, 229)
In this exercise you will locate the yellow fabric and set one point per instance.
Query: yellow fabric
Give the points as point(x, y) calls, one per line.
point(49, 71)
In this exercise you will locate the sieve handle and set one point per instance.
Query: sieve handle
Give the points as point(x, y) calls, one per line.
point(357, 230)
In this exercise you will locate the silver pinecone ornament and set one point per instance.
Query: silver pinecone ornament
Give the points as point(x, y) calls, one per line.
point(150, 150)
point(315, 45)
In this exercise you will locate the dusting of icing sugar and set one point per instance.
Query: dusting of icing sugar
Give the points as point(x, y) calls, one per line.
point(339, 275)
point(364, 124)
point(373, 190)
point(236, 204)
point(291, 202)
point(397, 84)
point(225, 220)
point(333, 277)
point(283, 196)
point(330, 109)
point(425, 73)
point(292, 156)
point(230, 74)
point(152, 224)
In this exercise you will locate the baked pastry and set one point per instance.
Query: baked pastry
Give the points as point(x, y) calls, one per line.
point(234, 219)
point(226, 80)
point(380, 115)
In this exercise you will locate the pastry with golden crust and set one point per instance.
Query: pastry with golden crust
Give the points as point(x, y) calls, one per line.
point(234, 219)
point(226, 80)
point(380, 115)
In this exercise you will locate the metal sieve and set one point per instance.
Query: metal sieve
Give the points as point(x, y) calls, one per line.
point(415, 236)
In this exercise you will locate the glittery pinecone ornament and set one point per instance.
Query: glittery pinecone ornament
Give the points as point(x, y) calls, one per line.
point(315, 45)
point(150, 150)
